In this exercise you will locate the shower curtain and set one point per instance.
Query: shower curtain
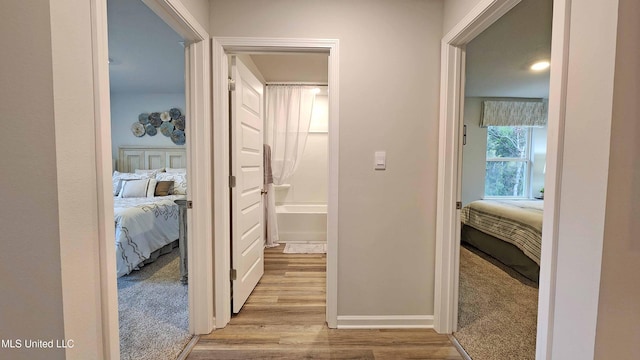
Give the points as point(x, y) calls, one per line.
point(289, 109)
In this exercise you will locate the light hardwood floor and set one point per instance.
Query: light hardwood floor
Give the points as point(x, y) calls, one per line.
point(284, 318)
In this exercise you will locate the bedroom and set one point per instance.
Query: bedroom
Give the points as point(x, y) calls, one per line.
point(147, 90)
point(503, 169)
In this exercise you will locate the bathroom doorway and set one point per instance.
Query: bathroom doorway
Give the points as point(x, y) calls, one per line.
point(222, 47)
point(294, 112)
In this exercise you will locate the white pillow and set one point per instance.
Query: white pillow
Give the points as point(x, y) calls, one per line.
point(138, 188)
point(151, 189)
point(179, 182)
point(117, 178)
point(150, 173)
point(176, 170)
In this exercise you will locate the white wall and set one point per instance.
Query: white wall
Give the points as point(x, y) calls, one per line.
point(125, 109)
point(387, 218)
point(31, 303)
point(474, 153)
point(50, 231)
point(618, 328)
point(200, 11)
point(454, 11)
point(309, 185)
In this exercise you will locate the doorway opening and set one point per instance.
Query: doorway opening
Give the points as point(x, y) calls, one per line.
point(279, 109)
point(503, 166)
point(450, 150)
point(222, 48)
point(148, 123)
point(194, 52)
point(502, 183)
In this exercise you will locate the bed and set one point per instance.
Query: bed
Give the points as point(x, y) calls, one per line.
point(142, 227)
point(508, 230)
point(148, 186)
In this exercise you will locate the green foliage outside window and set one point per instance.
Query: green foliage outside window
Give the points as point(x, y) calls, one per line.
point(507, 161)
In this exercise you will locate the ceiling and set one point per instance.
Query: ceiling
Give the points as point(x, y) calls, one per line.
point(311, 68)
point(498, 60)
point(146, 54)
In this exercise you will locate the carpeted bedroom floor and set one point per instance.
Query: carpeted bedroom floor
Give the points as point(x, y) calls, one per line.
point(497, 309)
point(153, 311)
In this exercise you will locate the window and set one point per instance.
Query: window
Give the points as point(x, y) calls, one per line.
point(508, 161)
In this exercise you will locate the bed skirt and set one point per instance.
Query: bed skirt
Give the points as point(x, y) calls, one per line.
point(506, 253)
point(162, 251)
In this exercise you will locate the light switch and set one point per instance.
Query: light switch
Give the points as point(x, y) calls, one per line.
point(380, 158)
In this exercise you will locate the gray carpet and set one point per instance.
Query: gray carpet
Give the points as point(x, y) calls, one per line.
point(497, 309)
point(153, 311)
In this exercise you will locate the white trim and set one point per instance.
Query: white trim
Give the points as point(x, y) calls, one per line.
point(106, 235)
point(176, 15)
point(220, 48)
point(200, 248)
point(478, 20)
point(451, 102)
point(199, 159)
point(221, 193)
point(385, 322)
point(553, 176)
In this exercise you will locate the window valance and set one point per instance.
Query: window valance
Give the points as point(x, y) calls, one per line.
point(513, 113)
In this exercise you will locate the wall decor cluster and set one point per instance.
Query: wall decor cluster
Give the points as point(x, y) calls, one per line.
point(171, 124)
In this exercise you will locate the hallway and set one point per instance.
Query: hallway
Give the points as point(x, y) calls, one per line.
point(284, 318)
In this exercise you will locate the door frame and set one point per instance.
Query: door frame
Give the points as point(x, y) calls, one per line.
point(197, 92)
point(220, 48)
point(448, 217)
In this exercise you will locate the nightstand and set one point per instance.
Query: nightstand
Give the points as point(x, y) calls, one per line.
point(182, 240)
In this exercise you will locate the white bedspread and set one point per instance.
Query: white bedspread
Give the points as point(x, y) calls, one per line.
point(142, 226)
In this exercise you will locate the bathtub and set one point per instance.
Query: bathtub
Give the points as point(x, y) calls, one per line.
point(302, 223)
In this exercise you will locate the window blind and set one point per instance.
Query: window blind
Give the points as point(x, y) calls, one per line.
point(513, 113)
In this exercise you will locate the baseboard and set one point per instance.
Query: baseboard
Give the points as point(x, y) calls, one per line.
point(386, 322)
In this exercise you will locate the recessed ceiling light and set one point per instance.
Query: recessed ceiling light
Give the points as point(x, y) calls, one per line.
point(540, 65)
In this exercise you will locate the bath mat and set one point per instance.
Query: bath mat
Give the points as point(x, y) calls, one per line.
point(293, 248)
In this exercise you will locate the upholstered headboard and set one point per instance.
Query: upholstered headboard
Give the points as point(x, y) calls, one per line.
point(140, 157)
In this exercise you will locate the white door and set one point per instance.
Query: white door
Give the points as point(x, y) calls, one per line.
point(247, 243)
